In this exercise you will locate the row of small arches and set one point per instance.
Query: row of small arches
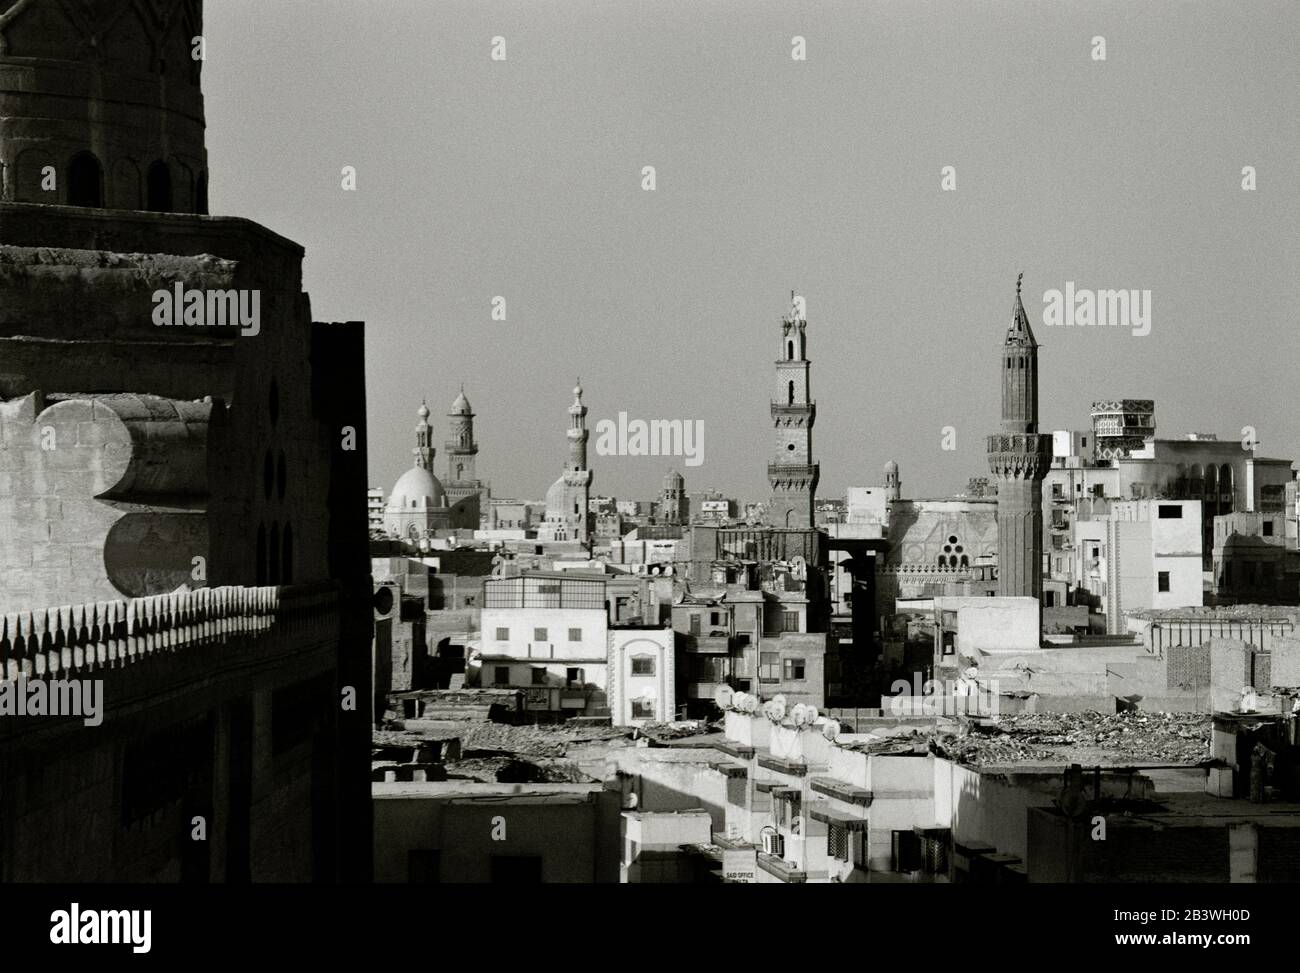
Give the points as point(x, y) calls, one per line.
point(84, 184)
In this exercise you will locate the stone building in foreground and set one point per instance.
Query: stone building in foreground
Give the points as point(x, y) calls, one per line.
point(182, 458)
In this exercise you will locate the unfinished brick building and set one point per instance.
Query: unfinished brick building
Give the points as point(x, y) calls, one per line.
point(179, 505)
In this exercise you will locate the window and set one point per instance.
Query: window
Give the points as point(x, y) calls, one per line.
point(1056, 491)
point(769, 664)
point(1170, 511)
point(715, 618)
point(793, 669)
point(501, 676)
point(159, 188)
point(574, 678)
point(1096, 551)
point(575, 635)
point(539, 677)
point(503, 634)
point(643, 709)
point(695, 624)
point(837, 843)
point(643, 665)
point(1268, 528)
point(789, 621)
point(85, 180)
point(1162, 581)
point(539, 635)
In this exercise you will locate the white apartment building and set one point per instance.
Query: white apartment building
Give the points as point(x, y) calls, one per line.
point(546, 633)
point(1143, 554)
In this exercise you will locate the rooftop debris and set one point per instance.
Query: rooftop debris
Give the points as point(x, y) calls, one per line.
point(1113, 739)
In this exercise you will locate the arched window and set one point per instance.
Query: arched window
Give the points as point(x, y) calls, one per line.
point(286, 555)
point(790, 400)
point(273, 555)
point(952, 560)
point(789, 350)
point(942, 562)
point(159, 188)
point(85, 181)
point(965, 561)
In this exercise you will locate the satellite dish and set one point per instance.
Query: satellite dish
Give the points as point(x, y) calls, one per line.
point(723, 696)
point(831, 729)
point(629, 802)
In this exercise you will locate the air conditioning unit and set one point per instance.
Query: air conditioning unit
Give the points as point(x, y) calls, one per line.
point(774, 844)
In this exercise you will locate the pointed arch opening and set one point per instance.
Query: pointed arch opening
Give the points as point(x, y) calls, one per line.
point(158, 188)
point(85, 180)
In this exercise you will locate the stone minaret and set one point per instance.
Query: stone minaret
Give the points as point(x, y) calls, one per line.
point(424, 451)
point(577, 476)
point(792, 474)
point(460, 449)
point(673, 499)
point(1019, 457)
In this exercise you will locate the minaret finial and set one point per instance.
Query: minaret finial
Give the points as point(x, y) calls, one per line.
point(1018, 280)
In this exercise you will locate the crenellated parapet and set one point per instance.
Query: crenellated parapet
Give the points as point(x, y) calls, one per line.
point(92, 638)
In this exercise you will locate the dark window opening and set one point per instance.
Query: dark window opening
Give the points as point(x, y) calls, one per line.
point(159, 188)
point(85, 181)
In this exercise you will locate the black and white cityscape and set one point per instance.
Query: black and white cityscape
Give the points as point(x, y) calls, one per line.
point(280, 606)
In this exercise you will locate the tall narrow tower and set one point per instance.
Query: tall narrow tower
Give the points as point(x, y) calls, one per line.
point(1019, 457)
point(424, 451)
point(461, 449)
point(792, 473)
point(567, 499)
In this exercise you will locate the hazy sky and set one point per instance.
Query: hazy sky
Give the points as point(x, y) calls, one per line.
point(522, 178)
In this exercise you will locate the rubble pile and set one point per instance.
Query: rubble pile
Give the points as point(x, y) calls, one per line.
point(1118, 738)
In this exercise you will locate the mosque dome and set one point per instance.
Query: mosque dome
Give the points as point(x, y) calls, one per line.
point(417, 489)
point(461, 406)
point(891, 467)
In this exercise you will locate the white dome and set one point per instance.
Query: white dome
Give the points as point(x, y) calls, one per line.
point(416, 489)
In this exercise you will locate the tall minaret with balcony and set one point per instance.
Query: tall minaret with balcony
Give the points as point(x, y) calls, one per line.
point(1019, 456)
point(792, 473)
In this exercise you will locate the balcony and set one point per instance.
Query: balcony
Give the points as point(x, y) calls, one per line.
point(707, 644)
point(782, 469)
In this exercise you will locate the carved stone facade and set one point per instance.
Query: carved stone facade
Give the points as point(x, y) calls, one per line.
point(139, 460)
point(142, 146)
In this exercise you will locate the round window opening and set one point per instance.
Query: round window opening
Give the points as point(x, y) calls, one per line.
point(952, 539)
